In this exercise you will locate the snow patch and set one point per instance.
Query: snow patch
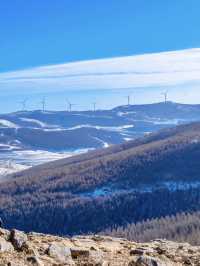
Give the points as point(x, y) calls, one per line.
point(8, 147)
point(127, 139)
point(9, 167)
point(6, 123)
point(35, 157)
point(39, 123)
point(107, 128)
point(35, 121)
point(104, 144)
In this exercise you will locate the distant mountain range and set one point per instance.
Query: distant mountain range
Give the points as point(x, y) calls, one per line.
point(64, 133)
point(150, 177)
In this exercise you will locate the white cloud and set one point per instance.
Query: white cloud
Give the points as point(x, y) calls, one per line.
point(178, 69)
point(160, 69)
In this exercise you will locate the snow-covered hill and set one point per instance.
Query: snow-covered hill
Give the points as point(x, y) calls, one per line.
point(31, 137)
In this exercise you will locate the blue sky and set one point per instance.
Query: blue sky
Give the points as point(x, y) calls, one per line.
point(35, 32)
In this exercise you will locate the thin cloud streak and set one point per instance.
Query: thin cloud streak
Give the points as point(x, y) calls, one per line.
point(167, 69)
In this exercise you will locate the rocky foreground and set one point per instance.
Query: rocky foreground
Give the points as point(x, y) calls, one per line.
point(18, 249)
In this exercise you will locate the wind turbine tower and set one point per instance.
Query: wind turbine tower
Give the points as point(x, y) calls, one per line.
point(94, 106)
point(128, 99)
point(43, 102)
point(165, 94)
point(70, 105)
point(23, 104)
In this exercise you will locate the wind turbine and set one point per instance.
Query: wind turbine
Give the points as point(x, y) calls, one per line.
point(165, 94)
point(94, 106)
point(43, 102)
point(128, 99)
point(23, 104)
point(69, 105)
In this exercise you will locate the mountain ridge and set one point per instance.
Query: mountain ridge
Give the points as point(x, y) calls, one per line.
point(29, 138)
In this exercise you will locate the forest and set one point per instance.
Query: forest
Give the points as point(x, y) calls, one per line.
point(182, 227)
point(147, 178)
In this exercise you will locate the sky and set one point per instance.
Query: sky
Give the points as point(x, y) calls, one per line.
point(36, 34)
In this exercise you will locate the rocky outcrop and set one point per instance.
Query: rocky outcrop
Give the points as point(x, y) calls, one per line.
point(20, 249)
point(18, 239)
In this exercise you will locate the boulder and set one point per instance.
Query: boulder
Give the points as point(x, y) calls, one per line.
point(5, 246)
point(94, 257)
point(60, 252)
point(151, 261)
point(18, 239)
point(4, 233)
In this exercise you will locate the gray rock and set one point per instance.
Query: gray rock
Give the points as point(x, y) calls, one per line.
point(150, 261)
point(5, 246)
point(18, 239)
point(95, 257)
point(4, 233)
point(60, 252)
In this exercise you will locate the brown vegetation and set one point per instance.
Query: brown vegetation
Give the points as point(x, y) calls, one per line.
point(183, 227)
point(59, 197)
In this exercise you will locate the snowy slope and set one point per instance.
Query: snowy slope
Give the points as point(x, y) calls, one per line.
point(8, 167)
point(33, 137)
